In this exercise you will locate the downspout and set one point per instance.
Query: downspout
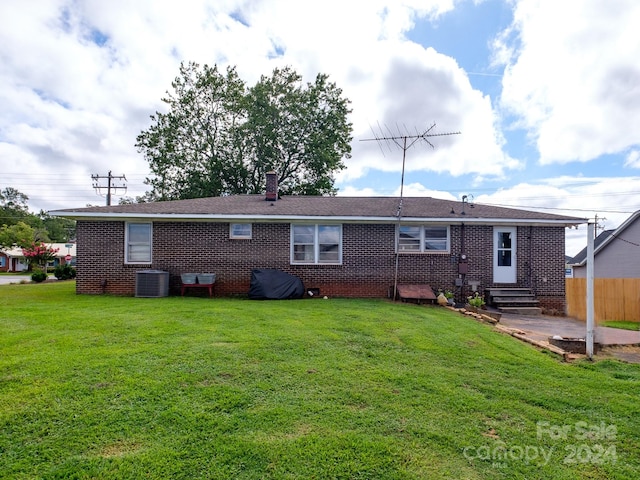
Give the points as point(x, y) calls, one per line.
point(533, 284)
point(530, 266)
point(463, 292)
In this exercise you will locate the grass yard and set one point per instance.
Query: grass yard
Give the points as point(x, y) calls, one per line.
point(108, 387)
point(624, 325)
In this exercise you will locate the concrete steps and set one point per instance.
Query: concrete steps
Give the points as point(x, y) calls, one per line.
point(513, 300)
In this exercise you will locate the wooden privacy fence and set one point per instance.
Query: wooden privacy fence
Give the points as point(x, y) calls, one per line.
point(614, 298)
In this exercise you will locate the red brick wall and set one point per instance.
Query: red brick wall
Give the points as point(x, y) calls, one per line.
point(367, 270)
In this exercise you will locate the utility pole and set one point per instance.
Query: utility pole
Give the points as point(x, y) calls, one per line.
point(598, 224)
point(404, 142)
point(110, 184)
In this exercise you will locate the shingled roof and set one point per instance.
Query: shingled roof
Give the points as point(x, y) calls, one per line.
point(337, 208)
point(581, 257)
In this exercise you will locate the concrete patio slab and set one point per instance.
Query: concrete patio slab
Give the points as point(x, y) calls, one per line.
point(542, 327)
point(616, 343)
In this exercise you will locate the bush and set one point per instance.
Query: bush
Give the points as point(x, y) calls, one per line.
point(476, 300)
point(39, 276)
point(64, 272)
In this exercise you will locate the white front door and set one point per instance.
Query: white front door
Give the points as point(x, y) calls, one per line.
point(504, 254)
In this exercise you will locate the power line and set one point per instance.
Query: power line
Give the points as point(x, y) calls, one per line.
point(626, 241)
point(110, 185)
point(568, 209)
point(599, 224)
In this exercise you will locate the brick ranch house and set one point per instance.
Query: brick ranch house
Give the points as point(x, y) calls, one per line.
point(343, 246)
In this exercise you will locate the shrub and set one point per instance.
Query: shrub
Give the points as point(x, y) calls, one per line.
point(64, 272)
point(476, 300)
point(38, 276)
point(39, 254)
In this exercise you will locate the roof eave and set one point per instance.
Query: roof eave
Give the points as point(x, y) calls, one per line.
point(178, 217)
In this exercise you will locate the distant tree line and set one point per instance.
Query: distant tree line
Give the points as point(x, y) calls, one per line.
point(21, 228)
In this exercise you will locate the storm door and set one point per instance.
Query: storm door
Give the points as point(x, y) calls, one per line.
point(504, 254)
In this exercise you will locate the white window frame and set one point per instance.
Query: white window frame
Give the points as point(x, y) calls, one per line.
point(128, 244)
point(423, 240)
point(316, 244)
point(237, 236)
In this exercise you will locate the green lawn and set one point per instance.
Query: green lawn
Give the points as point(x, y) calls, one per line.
point(109, 387)
point(622, 324)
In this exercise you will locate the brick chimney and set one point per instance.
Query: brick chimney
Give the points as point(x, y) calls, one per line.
point(272, 186)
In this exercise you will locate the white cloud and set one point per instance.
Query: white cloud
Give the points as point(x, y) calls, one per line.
point(633, 159)
point(572, 76)
point(410, 190)
point(79, 79)
point(416, 88)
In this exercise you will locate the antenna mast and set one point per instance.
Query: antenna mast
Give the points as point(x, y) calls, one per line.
point(404, 142)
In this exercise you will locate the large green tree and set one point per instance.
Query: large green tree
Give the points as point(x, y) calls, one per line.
point(221, 137)
point(57, 229)
point(17, 235)
point(13, 206)
point(20, 227)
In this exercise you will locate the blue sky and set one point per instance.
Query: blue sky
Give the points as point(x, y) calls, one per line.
point(546, 94)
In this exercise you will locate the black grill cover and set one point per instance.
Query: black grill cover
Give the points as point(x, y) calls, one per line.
point(271, 284)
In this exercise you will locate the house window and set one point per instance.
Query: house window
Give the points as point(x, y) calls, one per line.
point(316, 244)
point(138, 243)
point(423, 238)
point(3, 262)
point(240, 230)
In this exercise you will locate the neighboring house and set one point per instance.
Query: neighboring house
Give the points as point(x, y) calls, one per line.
point(12, 259)
point(342, 246)
point(616, 253)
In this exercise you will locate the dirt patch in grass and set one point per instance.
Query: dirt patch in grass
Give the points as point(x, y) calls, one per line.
point(119, 449)
point(626, 353)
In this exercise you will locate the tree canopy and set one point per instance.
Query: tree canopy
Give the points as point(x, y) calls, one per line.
point(19, 227)
point(13, 205)
point(220, 137)
point(19, 234)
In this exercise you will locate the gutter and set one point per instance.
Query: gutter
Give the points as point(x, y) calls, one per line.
point(246, 218)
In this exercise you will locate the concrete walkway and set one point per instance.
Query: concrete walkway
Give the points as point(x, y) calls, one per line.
point(541, 327)
point(9, 279)
point(614, 342)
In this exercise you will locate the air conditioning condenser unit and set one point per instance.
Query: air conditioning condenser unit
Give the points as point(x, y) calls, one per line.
point(152, 283)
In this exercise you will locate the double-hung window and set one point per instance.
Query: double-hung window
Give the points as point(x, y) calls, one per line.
point(240, 231)
point(138, 242)
point(316, 244)
point(423, 238)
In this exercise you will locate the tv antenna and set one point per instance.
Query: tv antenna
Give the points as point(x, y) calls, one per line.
point(404, 142)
